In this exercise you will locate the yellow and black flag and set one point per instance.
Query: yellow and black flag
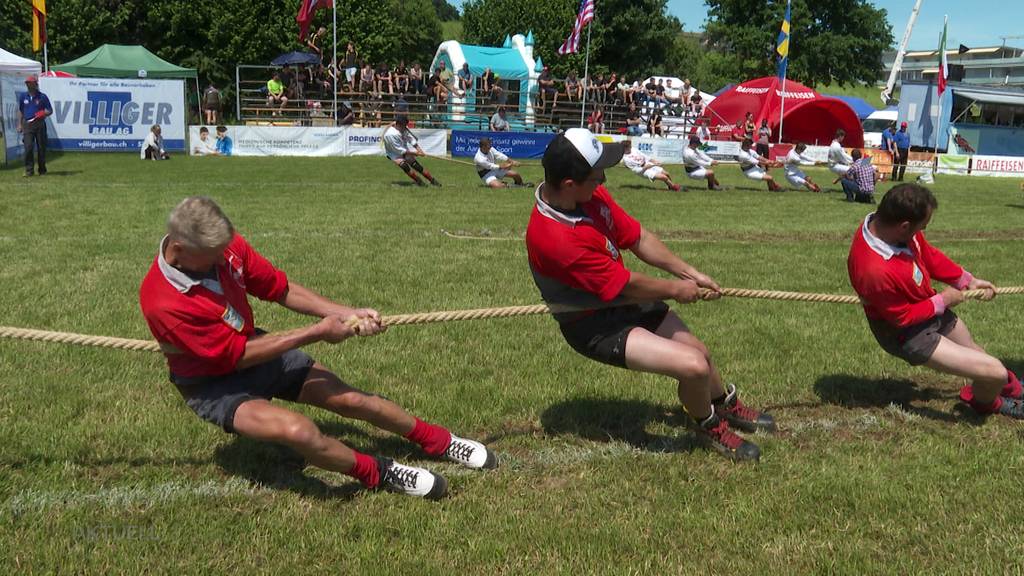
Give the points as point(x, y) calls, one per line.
point(38, 24)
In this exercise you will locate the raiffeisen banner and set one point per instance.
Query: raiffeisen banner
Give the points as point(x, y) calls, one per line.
point(108, 114)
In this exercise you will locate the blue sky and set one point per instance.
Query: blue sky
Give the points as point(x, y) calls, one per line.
point(971, 22)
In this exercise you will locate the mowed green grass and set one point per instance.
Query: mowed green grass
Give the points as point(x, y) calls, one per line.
point(103, 470)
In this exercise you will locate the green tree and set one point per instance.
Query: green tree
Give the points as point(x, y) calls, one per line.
point(445, 11)
point(839, 41)
point(636, 38)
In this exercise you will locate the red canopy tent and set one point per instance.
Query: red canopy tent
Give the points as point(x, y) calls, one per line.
point(809, 117)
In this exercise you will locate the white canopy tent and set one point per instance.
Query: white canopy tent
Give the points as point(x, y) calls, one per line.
point(13, 71)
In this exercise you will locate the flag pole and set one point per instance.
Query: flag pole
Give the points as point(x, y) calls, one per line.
point(46, 57)
point(942, 73)
point(586, 74)
point(335, 62)
point(782, 109)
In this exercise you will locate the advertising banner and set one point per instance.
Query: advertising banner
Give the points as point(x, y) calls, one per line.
point(664, 150)
point(105, 114)
point(1006, 166)
point(722, 150)
point(512, 144)
point(954, 164)
point(311, 141)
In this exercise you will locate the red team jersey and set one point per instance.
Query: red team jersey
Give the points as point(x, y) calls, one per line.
point(203, 324)
point(576, 256)
point(894, 283)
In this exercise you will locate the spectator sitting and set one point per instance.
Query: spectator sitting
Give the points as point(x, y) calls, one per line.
point(595, 122)
point(224, 144)
point(465, 78)
point(596, 88)
point(703, 130)
point(401, 76)
point(204, 146)
point(299, 82)
point(438, 89)
point(610, 86)
point(346, 116)
point(739, 132)
point(859, 181)
point(366, 78)
point(573, 88)
point(445, 76)
point(654, 124)
point(624, 90)
point(275, 94)
point(498, 95)
point(287, 78)
point(153, 145)
point(416, 79)
point(499, 123)
point(547, 89)
point(696, 106)
point(634, 124)
point(382, 78)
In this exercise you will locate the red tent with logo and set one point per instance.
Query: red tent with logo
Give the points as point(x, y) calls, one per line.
point(809, 117)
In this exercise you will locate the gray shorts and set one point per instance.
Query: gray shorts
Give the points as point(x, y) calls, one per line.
point(916, 343)
point(216, 398)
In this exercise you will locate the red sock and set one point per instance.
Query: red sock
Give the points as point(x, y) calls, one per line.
point(414, 177)
point(426, 173)
point(967, 395)
point(365, 470)
point(1013, 388)
point(433, 439)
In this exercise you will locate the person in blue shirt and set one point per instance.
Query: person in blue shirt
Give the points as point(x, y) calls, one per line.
point(33, 108)
point(887, 135)
point(901, 142)
point(224, 144)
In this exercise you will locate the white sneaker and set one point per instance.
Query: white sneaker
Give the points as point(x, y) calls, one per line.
point(395, 477)
point(470, 453)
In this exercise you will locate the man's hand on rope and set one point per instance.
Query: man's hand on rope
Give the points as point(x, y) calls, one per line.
point(686, 292)
point(334, 329)
point(951, 296)
point(979, 284)
point(711, 289)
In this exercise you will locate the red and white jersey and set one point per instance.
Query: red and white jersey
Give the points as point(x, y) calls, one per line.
point(894, 282)
point(398, 143)
point(576, 257)
point(203, 324)
point(635, 161)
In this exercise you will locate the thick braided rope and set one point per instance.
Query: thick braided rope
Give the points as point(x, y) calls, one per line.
point(451, 316)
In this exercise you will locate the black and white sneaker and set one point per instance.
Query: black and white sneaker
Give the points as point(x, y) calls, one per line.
point(470, 453)
point(395, 477)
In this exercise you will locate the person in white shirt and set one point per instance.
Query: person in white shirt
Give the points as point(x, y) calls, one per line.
point(204, 146)
point(698, 164)
point(153, 145)
point(493, 166)
point(794, 160)
point(642, 165)
point(703, 130)
point(838, 160)
point(402, 148)
point(755, 167)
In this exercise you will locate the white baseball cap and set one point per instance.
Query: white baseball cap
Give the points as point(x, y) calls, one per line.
point(596, 153)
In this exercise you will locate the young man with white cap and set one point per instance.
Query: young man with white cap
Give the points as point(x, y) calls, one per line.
point(754, 166)
point(796, 177)
point(492, 166)
point(608, 313)
point(698, 164)
point(402, 148)
point(643, 165)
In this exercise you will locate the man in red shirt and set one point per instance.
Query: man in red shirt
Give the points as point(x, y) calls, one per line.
point(616, 316)
point(891, 266)
point(195, 300)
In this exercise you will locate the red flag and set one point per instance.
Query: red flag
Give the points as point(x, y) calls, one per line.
point(306, 12)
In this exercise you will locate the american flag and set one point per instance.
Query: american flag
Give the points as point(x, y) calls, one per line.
point(572, 43)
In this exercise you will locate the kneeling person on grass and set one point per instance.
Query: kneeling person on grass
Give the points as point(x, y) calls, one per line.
point(402, 148)
point(891, 266)
point(643, 165)
point(195, 300)
point(493, 166)
point(608, 313)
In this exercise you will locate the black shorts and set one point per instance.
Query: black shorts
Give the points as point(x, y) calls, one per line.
point(602, 335)
point(763, 150)
point(216, 398)
point(916, 343)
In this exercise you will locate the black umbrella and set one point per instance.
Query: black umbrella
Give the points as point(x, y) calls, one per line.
point(293, 58)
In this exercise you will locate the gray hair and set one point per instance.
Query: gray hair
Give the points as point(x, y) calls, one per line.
point(200, 224)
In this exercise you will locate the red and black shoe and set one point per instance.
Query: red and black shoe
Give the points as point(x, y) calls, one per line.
point(715, 432)
point(1005, 405)
point(741, 416)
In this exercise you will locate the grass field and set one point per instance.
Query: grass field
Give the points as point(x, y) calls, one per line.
point(103, 470)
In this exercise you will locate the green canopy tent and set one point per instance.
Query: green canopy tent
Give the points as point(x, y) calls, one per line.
point(116, 61)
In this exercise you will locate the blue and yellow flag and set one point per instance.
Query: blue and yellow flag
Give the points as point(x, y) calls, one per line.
point(783, 44)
